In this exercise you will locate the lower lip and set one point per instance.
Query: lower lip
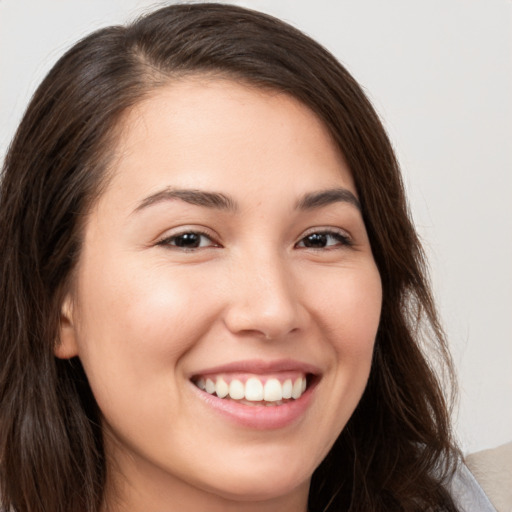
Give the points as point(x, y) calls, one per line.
point(259, 417)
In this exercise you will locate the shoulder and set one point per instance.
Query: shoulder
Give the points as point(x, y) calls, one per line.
point(467, 493)
point(484, 482)
point(493, 470)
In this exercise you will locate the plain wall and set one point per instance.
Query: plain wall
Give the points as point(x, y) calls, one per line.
point(440, 75)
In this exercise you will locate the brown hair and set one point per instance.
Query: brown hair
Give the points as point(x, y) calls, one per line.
point(395, 450)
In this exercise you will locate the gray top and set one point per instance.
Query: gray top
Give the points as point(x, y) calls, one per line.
point(467, 494)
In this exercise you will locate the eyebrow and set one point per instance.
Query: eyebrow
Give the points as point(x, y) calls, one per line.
point(217, 200)
point(322, 198)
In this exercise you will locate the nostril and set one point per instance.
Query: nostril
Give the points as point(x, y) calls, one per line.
point(264, 327)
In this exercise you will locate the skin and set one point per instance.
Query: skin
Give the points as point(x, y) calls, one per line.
point(144, 316)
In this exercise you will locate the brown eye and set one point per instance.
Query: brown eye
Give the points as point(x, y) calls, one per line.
point(188, 240)
point(323, 240)
point(316, 240)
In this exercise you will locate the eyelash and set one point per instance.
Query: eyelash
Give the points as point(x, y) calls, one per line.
point(342, 240)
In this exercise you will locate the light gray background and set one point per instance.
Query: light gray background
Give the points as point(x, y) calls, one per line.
point(440, 75)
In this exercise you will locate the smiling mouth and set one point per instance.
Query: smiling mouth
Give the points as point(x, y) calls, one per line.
point(255, 390)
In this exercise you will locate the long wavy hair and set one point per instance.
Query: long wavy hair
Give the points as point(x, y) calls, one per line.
point(396, 450)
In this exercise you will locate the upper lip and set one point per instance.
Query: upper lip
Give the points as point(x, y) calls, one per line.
point(261, 367)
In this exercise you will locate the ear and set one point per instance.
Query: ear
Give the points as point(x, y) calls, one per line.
point(66, 346)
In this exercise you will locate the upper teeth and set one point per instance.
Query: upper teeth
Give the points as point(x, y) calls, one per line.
point(254, 390)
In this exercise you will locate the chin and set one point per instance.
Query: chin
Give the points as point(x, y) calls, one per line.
point(263, 487)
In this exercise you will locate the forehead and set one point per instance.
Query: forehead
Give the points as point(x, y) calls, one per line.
point(205, 130)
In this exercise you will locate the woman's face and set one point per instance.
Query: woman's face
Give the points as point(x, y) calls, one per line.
point(228, 255)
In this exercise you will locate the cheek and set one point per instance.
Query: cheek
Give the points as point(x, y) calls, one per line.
point(136, 322)
point(135, 328)
point(348, 306)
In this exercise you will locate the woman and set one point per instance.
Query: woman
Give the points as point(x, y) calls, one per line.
point(213, 297)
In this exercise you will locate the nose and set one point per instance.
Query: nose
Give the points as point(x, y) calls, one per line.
point(264, 299)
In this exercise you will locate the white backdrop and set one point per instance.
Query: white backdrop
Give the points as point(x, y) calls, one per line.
point(440, 75)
